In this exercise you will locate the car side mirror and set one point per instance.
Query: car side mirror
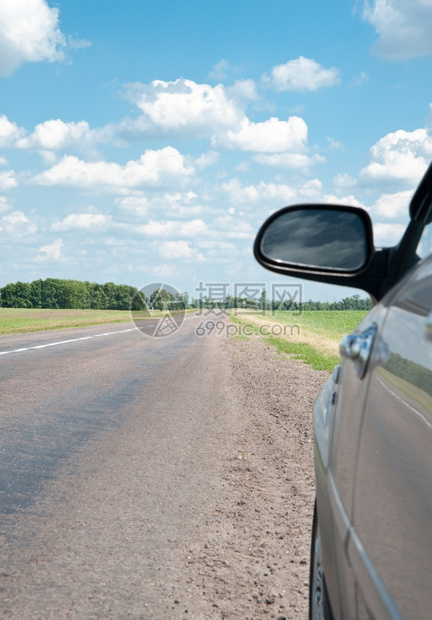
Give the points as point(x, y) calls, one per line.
point(332, 239)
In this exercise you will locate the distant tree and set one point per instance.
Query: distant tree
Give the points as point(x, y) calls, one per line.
point(138, 302)
point(263, 303)
point(36, 294)
point(16, 295)
point(72, 294)
point(49, 293)
point(124, 296)
point(96, 299)
point(8, 295)
point(160, 299)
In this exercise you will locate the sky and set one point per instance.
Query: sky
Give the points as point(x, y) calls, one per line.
point(147, 140)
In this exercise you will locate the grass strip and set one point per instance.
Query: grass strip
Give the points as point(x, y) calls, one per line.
point(319, 360)
point(304, 352)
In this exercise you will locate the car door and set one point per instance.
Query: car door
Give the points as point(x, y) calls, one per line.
point(350, 393)
point(390, 546)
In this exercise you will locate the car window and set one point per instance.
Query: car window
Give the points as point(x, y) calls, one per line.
point(424, 247)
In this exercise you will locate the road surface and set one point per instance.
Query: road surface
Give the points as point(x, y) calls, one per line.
point(154, 478)
point(106, 441)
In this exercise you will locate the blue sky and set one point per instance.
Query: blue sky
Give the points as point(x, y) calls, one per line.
point(147, 140)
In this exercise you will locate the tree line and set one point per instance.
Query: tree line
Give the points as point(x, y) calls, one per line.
point(355, 302)
point(57, 293)
point(73, 294)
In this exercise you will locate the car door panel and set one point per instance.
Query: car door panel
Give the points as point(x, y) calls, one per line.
point(392, 498)
point(350, 396)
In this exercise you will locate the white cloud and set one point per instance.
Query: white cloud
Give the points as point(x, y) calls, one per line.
point(311, 189)
point(233, 228)
point(289, 160)
point(220, 70)
point(271, 136)
point(261, 193)
point(206, 160)
point(82, 221)
point(154, 168)
point(178, 250)
point(217, 247)
point(178, 204)
point(56, 134)
point(350, 200)
point(172, 228)
point(17, 224)
point(243, 89)
point(335, 145)
point(4, 205)
point(136, 205)
point(7, 180)
point(52, 251)
point(401, 156)
point(181, 108)
point(388, 234)
point(9, 132)
point(28, 32)
point(403, 26)
point(344, 180)
point(163, 270)
point(302, 74)
point(3, 161)
point(393, 206)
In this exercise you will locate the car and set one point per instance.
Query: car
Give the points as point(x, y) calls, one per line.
point(371, 551)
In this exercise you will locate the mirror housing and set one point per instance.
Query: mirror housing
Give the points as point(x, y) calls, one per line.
point(326, 243)
point(324, 238)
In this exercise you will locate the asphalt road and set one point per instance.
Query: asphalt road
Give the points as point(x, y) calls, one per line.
point(106, 449)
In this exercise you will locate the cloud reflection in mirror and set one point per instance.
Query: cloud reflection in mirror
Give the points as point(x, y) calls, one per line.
point(322, 238)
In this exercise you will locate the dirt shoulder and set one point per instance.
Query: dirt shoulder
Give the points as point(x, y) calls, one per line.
point(256, 561)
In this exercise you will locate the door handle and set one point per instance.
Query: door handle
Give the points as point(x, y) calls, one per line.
point(357, 348)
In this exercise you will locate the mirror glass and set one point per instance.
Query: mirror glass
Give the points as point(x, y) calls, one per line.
point(322, 237)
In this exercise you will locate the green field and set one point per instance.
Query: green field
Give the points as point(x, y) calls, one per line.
point(312, 337)
point(22, 320)
point(332, 323)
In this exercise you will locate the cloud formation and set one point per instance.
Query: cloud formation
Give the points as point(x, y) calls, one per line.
point(17, 224)
point(9, 132)
point(82, 221)
point(403, 26)
point(182, 108)
point(399, 157)
point(52, 251)
point(271, 136)
point(302, 74)
point(29, 32)
point(264, 193)
point(178, 250)
point(7, 180)
point(56, 134)
point(393, 206)
point(153, 168)
point(173, 228)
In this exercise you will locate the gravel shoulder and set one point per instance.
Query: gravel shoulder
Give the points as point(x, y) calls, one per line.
point(255, 563)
